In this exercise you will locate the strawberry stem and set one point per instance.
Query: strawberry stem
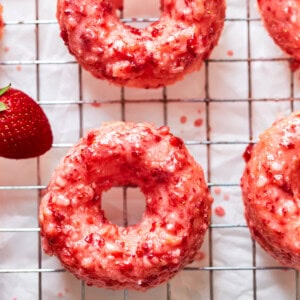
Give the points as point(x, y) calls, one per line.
point(5, 89)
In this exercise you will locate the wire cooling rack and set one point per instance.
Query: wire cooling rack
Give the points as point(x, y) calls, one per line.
point(238, 93)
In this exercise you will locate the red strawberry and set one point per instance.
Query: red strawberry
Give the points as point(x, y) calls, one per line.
point(24, 128)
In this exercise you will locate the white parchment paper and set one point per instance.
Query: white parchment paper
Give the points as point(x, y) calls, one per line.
point(34, 59)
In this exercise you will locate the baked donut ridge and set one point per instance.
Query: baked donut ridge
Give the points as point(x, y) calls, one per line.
point(141, 256)
point(282, 21)
point(270, 189)
point(155, 56)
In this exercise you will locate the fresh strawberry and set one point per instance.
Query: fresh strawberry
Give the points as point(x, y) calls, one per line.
point(24, 128)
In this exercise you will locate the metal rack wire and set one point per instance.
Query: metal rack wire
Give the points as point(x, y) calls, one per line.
point(207, 142)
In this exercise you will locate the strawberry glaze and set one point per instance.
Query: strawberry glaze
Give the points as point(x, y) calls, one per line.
point(158, 55)
point(141, 256)
point(282, 20)
point(270, 187)
point(219, 211)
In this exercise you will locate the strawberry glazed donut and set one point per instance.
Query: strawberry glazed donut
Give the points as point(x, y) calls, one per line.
point(140, 256)
point(271, 190)
point(282, 21)
point(155, 56)
point(1, 22)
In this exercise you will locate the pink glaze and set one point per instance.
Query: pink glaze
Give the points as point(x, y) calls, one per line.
point(230, 53)
point(200, 255)
point(158, 55)
point(219, 211)
point(178, 207)
point(271, 190)
point(226, 197)
point(198, 122)
point(282, 20)
point(183, 119)
point(217, 190)
point(96, 104)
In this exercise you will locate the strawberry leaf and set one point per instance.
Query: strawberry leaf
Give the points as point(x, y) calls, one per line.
point(3, 106)
point(5, 89)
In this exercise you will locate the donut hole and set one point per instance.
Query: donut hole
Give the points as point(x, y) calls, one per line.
point(123, 206)
point(149, 10)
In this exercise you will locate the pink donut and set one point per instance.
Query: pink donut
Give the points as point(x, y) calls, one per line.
point(158, 55)
point(178, 207)
point(282, 20)
point(270, 186)
point(1, 22)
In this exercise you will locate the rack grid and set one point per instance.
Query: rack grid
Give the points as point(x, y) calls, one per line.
point(210, 143)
